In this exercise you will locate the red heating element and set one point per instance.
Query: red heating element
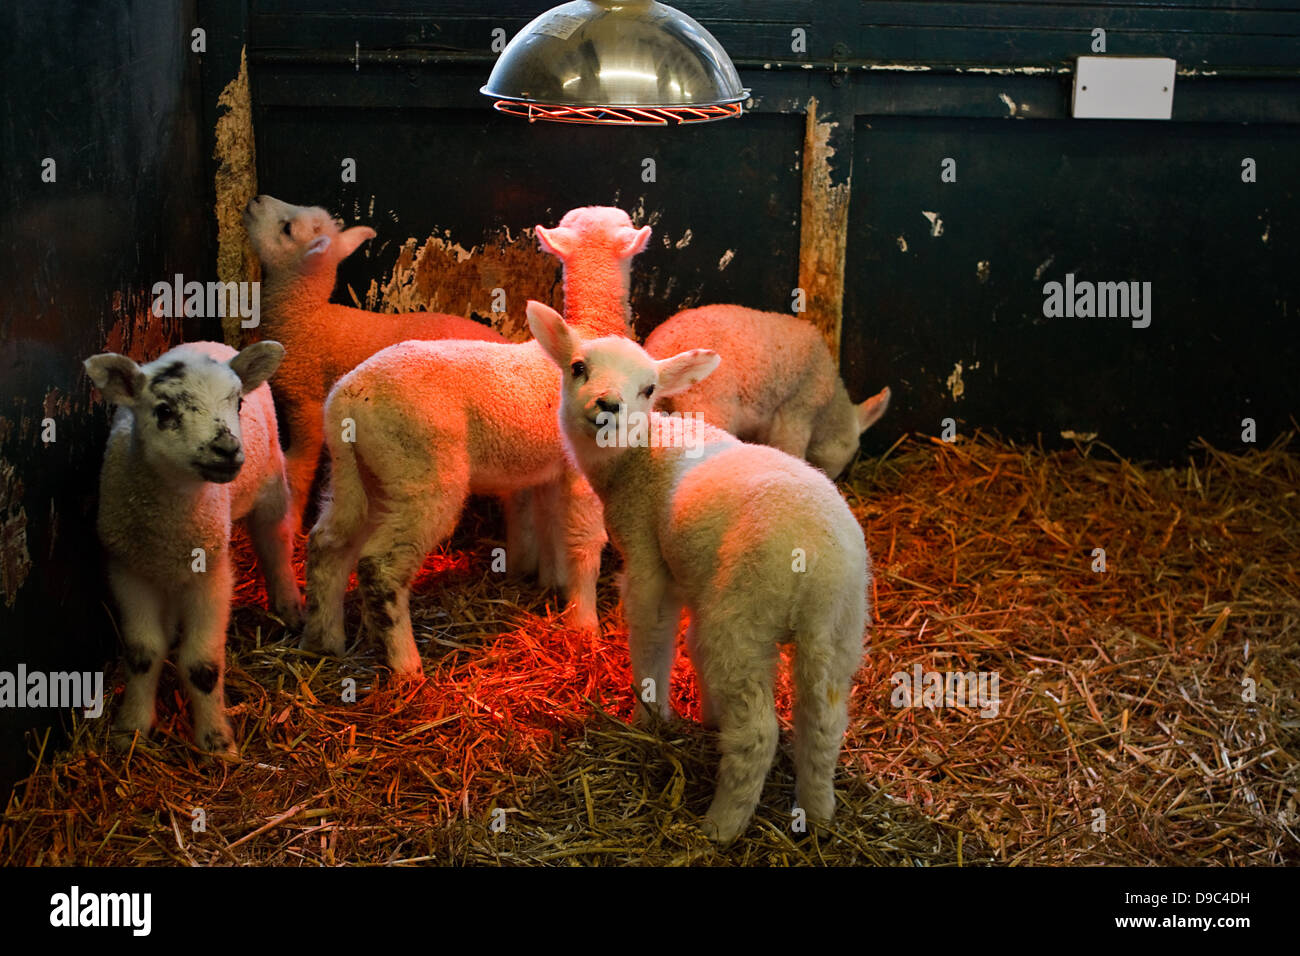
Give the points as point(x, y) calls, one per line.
point(619, 115)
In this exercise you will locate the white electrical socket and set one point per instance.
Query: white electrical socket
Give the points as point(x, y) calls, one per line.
point(1124, 87)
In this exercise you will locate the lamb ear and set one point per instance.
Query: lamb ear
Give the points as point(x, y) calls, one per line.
point(683, 370)
point(558, 241)
point(255, 364)
point(633, 241)
point(117, 377)
point(349, 239)
point(551, 332)
point(869, 412)
point(314, 255)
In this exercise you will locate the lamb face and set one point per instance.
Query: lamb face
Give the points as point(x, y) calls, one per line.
point(301, 239)
point(607, 384)
point(835, 438)
point(610, 383)
point(186, 405)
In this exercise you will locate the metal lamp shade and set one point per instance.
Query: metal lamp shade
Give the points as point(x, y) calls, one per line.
point(638, 63)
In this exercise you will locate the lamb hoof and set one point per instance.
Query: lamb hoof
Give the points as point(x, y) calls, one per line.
point(406, 672)
point(313, 640)
point(720, 832)
point(219, 742)
point(646, 718)
point(407, 667)
point(289, 612)
point(583, 620)
point(819, 804)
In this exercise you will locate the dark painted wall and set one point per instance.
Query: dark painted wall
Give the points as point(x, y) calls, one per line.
point(110, 92)
point(1034, 201)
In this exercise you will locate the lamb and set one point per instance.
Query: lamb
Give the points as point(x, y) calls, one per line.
point(777, 383)
point(756, 544)
point(419, 426)
point(300, 248)
point(596, 245)
point(193, 447)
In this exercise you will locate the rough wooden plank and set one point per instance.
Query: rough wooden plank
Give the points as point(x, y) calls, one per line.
point(235, 183)
point(823, 229)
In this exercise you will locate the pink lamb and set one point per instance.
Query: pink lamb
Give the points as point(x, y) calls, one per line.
point(418, 427)
point(777, 384)
point(300, 248)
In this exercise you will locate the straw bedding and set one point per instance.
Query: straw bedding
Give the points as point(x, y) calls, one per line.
point(1119, 691)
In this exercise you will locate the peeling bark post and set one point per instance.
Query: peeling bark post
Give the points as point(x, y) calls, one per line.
point(824, 218)
point(236, 183)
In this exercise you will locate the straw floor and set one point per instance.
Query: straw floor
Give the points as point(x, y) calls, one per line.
point(1146, 714)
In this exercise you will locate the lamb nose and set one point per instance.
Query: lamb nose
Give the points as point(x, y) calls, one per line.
point(611, 407)
point(227, 446)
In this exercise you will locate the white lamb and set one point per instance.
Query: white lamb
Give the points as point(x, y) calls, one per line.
point(193, 447)
point(300, 248)
point(777, 383)
point(756, 544)
point(420, 426)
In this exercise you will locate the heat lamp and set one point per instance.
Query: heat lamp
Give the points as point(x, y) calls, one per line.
point(621, 62)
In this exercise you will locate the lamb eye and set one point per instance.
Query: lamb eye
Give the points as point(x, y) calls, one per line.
point(287, 230)
point(649, 390)
point(164, 413)
point(579, 369)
